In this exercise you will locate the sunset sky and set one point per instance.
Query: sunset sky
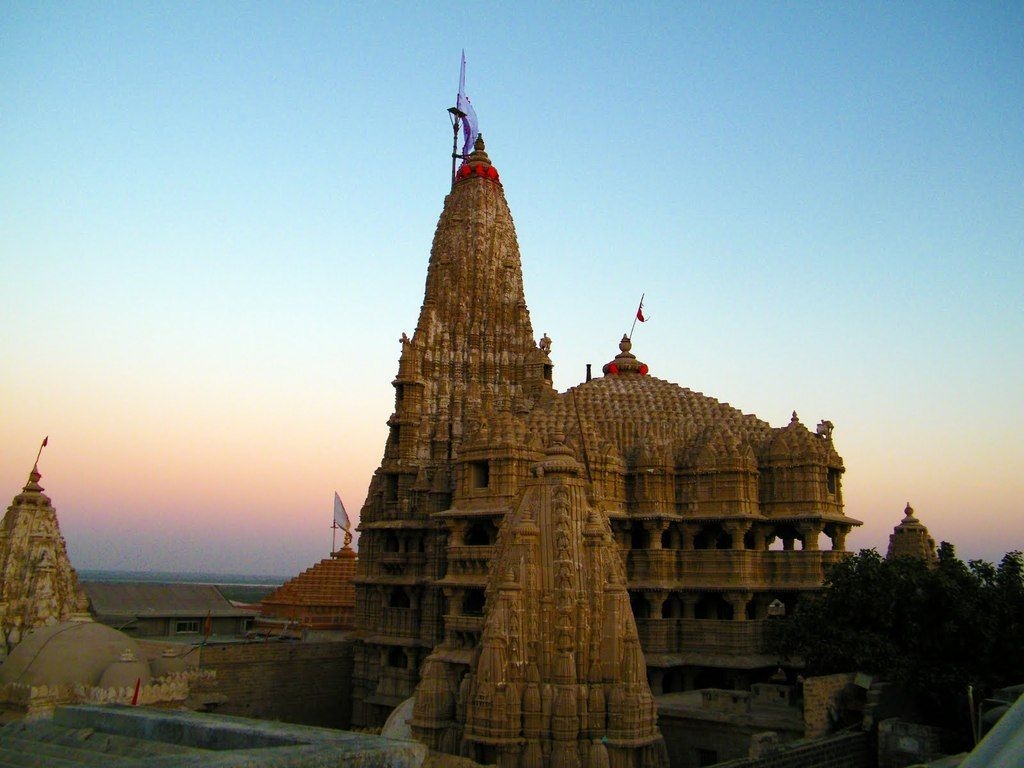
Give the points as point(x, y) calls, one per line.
point(215, 221)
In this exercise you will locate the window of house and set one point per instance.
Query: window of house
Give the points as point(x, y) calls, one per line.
point(189, 627)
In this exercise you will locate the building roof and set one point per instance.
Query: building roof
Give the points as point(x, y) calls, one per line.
point(150, 600)
point(328, 583)
point(138, 737)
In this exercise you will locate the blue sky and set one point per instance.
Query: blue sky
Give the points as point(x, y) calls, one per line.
point(215, 221)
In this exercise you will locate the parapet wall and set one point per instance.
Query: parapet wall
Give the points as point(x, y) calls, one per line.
point(305, 683)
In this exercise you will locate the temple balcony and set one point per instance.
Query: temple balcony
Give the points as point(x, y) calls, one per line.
point(696, 568)
point(700, 635)
point(799, 569)
point(400, 621)
point(722, 568)
point(469, 560)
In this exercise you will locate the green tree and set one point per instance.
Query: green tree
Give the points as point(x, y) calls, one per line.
point(931, 630)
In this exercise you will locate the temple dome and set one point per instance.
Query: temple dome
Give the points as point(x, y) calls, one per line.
point(68, 653)
point(627, 407)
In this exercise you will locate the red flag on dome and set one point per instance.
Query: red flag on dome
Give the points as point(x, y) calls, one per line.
point(640, 311)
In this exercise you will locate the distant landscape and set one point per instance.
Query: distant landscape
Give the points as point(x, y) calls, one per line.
point(237, 587)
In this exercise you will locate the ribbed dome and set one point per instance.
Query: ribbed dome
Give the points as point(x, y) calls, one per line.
point(67, 653)
point(626, 408)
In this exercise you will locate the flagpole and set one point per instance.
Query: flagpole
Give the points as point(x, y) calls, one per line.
point(636, 316)
point(456, 115)
point(41, 446)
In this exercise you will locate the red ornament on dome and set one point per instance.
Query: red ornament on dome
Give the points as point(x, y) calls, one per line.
point(644, 369)
point(612, 368)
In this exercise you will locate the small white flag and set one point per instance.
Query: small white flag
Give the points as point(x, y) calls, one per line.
point(340, 515)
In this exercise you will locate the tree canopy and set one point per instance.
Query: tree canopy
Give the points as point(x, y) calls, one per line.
point(932, 630)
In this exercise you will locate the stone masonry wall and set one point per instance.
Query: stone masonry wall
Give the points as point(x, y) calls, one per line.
point(848, 750)
point(820, 694)
point(305, 683)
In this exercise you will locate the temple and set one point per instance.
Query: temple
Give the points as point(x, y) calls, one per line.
point(38, 586)
point(911, 539)
point(536, 566)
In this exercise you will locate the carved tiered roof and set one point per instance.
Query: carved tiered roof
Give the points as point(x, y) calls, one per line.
point(38, 586)
point(560, 679)
point(473, 347)
point(321, 597)
point(911, 539)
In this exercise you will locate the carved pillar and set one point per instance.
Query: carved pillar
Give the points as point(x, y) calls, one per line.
point(656, 600)
point(839, 542)
point(653, 529)
point(810, 531)
point(737, 529)
point(382, 600)
point(689, 605)
point(738, 602)
point(688, 531)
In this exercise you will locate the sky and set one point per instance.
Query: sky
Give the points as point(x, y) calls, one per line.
point(215, 221)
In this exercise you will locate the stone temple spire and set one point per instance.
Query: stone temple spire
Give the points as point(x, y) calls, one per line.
point(911, 539)
point(474, 345)
point(38, 586)
point(473, 353)
point(559, 680)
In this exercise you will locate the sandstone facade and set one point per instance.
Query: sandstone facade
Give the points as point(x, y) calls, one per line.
point(713, 518)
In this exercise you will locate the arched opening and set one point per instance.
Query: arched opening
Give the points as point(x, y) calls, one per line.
point(398, 598)
point(390, 543)
point(673, 681)
point(784, 538)
point(712, 536)
point(713, 606)
point(473, 602)
point(480, 534)
point(641, 608)
point(710, 678)
point(638, 536)
point(672, 608)
point(397, 658)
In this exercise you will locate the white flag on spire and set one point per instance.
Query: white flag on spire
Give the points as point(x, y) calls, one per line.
point(340, 515)
point(470, 126)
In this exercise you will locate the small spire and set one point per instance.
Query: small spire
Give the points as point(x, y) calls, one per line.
point(625, 361)
point(908, 513)
point(478, 164)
